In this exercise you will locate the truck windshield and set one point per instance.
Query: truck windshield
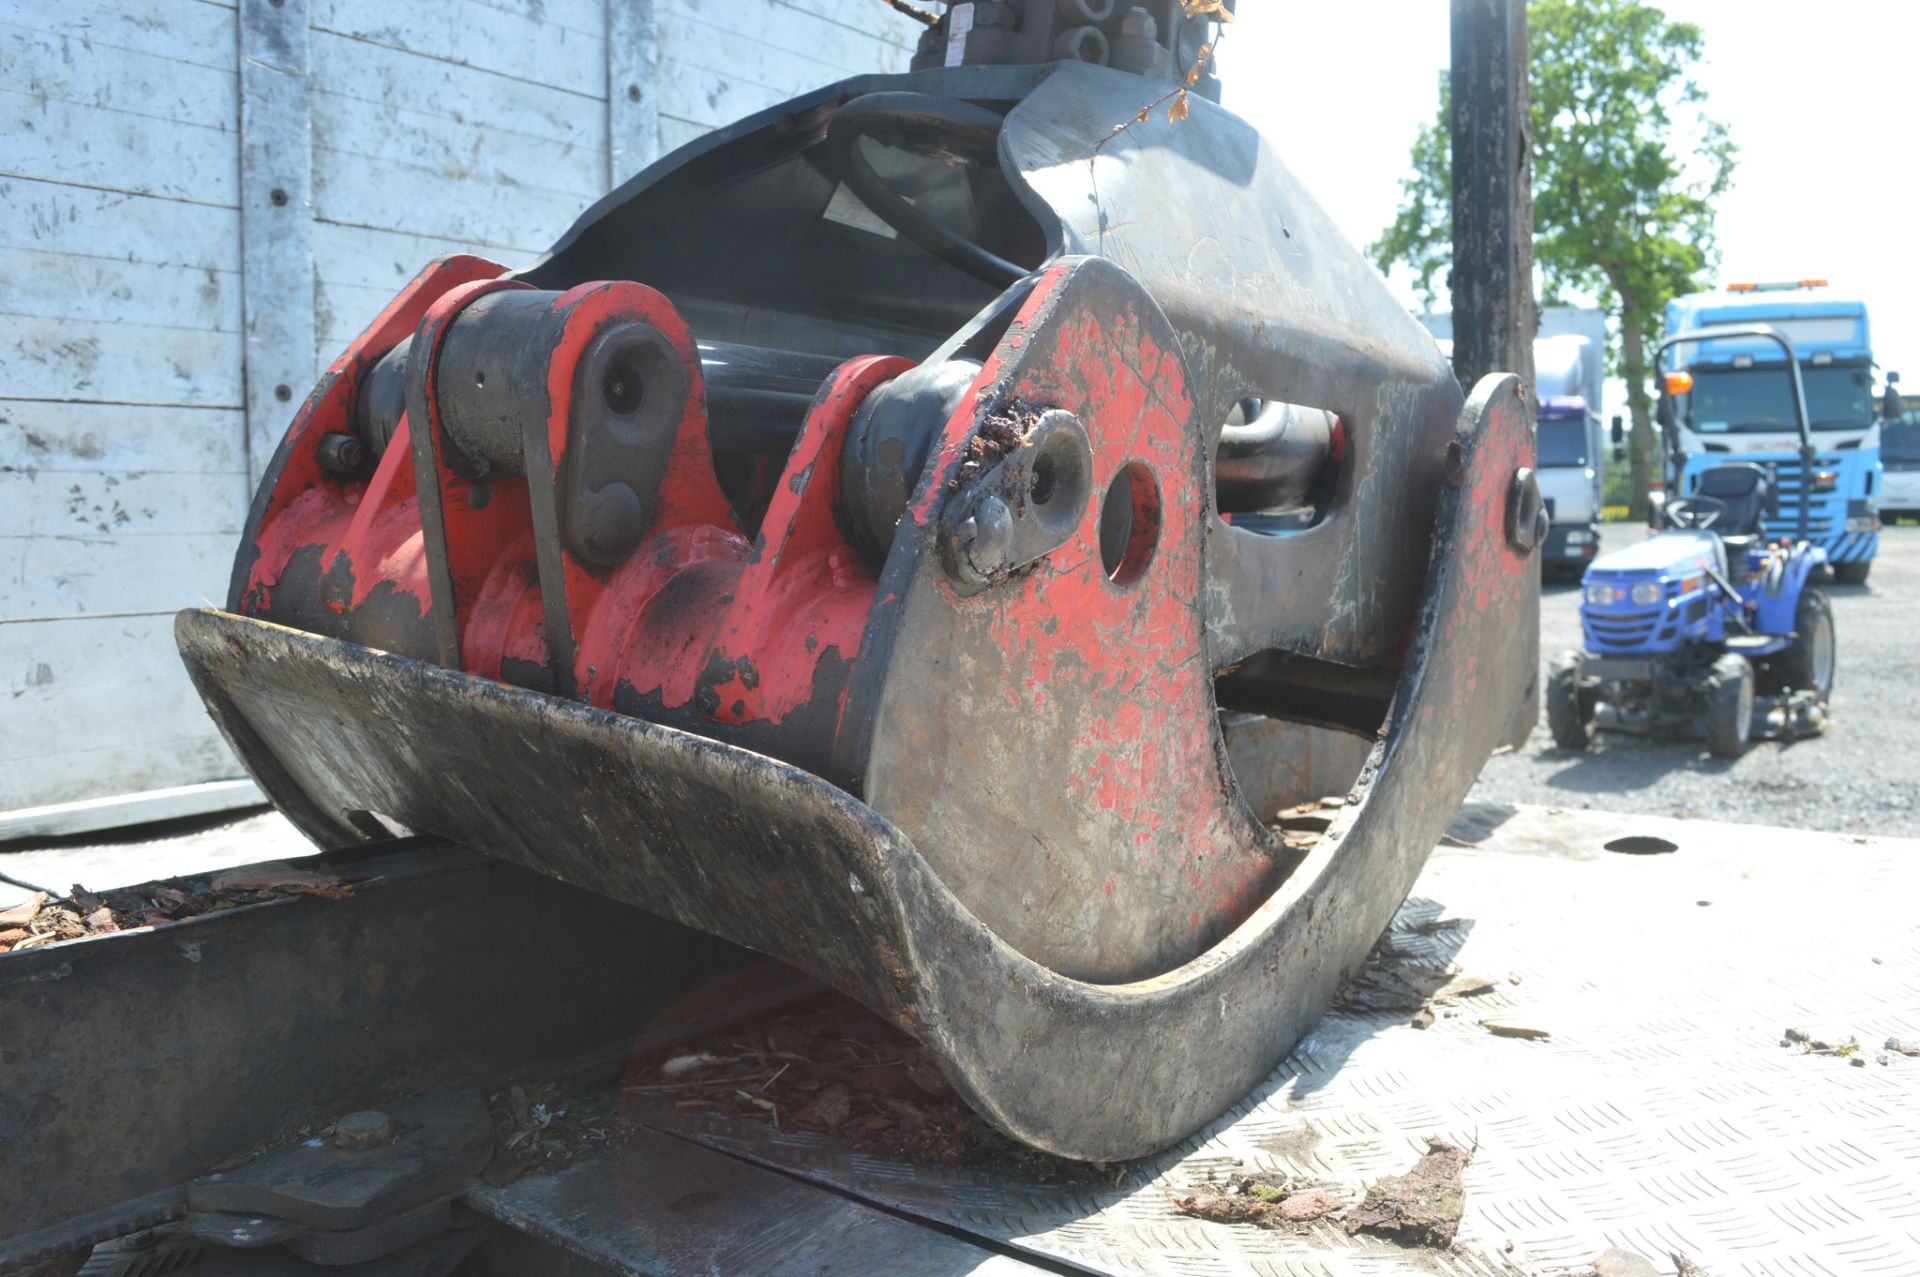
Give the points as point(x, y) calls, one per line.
point(1760, 400)
point(1563, 443)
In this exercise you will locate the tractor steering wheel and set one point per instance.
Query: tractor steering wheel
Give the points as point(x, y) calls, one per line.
point(1694, 513)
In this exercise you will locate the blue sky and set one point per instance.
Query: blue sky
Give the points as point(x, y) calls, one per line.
point(1824, 102)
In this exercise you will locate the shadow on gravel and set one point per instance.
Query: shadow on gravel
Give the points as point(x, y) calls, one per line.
point(1630, 765)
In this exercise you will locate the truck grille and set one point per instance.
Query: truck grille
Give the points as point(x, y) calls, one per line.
point(1826, 515)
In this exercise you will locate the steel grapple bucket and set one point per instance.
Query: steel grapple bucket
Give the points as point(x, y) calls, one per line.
point(926, 538)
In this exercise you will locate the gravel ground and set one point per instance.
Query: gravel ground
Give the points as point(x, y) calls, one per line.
point(1862, 776)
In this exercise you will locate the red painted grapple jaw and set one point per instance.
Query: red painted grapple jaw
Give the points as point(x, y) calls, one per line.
point(759, 852)
point(464, 546)
point(930, 702)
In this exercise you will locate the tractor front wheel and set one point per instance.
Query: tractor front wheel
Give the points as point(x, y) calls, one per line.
point(1809, 662)
point(1729, 707)
point(1569, 713)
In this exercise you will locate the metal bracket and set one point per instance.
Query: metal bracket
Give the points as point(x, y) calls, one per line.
point(1023, 507)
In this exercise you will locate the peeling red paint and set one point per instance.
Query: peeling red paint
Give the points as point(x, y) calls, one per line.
point(696, 620)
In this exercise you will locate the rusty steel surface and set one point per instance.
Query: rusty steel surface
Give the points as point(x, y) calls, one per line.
point(204, 1039)
point(1663, 1114)
point(761, 853)
point(925, 699)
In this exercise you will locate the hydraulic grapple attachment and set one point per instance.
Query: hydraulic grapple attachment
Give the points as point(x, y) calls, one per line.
point(925, 536)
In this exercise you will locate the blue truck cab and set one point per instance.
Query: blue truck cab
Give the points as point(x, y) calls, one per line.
point(1738, 406)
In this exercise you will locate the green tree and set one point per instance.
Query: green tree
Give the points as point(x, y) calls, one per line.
point(1626, 169)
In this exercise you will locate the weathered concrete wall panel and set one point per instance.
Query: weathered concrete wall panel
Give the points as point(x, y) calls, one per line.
point(475, 125)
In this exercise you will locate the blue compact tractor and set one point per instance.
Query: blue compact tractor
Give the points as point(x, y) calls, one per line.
point(1706, 625)
point(1701, 625)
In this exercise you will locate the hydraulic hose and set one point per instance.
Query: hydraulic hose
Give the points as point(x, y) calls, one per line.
point(926, 125)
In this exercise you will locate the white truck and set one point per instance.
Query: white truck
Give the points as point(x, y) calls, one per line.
point(1899, 452)
point(1569, 373)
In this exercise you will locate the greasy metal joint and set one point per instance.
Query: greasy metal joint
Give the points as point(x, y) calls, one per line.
point(630, 391)
point(1023, 506)
point(1526, 513)
point(343, 455)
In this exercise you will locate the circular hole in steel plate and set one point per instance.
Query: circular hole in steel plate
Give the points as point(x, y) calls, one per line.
point(1642, 845)
point(1129, 523)
point(624, 386)
point(1043, 479)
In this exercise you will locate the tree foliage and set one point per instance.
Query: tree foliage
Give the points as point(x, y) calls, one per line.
point(1627, 167)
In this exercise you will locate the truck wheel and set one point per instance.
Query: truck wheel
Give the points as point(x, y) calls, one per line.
point(1809, 662)
point(1569, 714)
point(1852, 573)
point(1729, 707)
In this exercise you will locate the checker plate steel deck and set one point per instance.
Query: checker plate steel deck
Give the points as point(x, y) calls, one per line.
point(1663, 1116)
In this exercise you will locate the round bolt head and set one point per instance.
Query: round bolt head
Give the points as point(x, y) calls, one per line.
point(363, 1130)
point(992, 527)
point(1526, 512)
point(1138, 23)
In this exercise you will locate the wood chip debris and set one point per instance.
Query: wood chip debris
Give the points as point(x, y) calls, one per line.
point(1811, 1043)
point(44, 920)
point(829, 1066)
point(1261, 1201)
point(1503, 1030)
point(1305, 824)
point(1422, 1207)
point(541, 1127)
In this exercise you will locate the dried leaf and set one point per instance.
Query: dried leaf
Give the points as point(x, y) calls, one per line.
point(171, 901)
point(1422, 1207)
point(1260, 1202)
point(1177, 109)
point(1199, 64)
point(828, 1109)
point(1299, 1208)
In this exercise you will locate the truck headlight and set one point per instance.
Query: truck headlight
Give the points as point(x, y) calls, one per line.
point(1861, 525)
point(1579, 537)
point(1600, 594)
point(1647, 593)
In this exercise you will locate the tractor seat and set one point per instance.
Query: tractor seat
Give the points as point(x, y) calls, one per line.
point(1742, 488)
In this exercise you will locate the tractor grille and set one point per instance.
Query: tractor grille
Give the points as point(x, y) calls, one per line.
point(1622, 631)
